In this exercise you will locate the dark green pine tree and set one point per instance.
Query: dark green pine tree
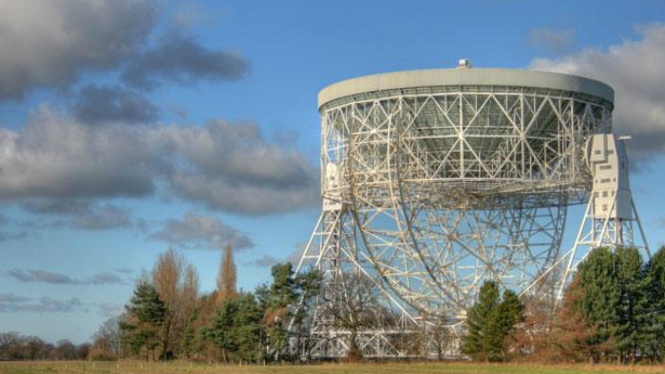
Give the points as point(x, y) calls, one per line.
point(221, 331)
point(503, 321)
point(146, 314)
point(491, 323)
point(282, 295)
point(633, 304)
point(237, 329)
point(597, 276)
point(475, 343)
point(654, 334)
point(248, 332)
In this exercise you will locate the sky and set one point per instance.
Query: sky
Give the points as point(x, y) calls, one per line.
point(128, 127)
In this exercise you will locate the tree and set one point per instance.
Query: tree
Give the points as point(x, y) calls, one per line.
point(226, 278)
point(442, 337)
point(654, 332)
point(352, 304)
point(474, 343)
point(145, 317)
point(279, 301)
point(633, 304)
point(491, 323)
point(572, 337)
point(107, 340)
point(237, 329)
point(614, 289)
point(176, 282)
point(601, 297)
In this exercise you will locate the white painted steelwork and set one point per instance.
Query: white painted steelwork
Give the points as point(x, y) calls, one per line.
point(435, 181)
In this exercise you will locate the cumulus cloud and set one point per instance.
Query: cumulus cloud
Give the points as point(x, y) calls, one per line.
point(43, 305)
point(50, 42)
point(556, 41)
point(634, 68)
point(222, 165)
point(97, 105)
point(57, 157)
point(43, 276)
point(196, 231)
point(181, 59)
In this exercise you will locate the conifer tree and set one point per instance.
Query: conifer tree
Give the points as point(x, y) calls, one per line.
point(146, 314)
point(491, 323)
point(475, 342)
point(654, 332)
point(633, 304)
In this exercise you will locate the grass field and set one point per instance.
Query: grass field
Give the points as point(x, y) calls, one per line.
point(386, 368)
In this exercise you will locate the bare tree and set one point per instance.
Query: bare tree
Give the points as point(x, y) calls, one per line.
point(351, 301)
point(176, 283)
point(441, 337)
point(226, 278)
point(107, 339)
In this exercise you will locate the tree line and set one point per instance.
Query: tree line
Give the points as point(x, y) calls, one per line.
point(167, 319)
point(15, 347)
point(613, 311)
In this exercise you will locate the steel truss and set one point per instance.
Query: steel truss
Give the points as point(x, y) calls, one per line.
point(428, 195)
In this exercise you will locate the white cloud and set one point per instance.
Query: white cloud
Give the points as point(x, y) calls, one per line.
point(49, 42)
point(635, 69)
point(225, 166)
point(196, 231)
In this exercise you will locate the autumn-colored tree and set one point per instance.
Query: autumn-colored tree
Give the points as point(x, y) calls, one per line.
point(226, 278)
point(177, 284)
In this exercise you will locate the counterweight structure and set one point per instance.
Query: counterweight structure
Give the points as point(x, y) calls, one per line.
point(435, 181)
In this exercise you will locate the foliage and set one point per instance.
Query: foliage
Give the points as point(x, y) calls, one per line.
point(146, 313)
point(237, 329)
point(491, 323)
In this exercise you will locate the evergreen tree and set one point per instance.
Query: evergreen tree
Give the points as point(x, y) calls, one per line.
point(146, 314)
point(220, 332)
point(491, 323)
point(475, 342)
point(283, 294)
point(601, 299)
point(654, 332)
point(633, 304)
point(508, 314)
point(237, 329)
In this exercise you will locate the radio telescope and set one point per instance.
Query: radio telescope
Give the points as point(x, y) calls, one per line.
point(435, 181)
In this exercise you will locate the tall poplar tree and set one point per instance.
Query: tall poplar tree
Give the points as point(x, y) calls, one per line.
point(226, 278)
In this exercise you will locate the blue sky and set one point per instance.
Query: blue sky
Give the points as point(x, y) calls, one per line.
point(130, 126)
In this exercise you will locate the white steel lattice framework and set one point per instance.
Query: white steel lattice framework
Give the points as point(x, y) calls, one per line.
point(435, 181)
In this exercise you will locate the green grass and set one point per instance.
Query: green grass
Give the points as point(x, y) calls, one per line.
point(135, 367)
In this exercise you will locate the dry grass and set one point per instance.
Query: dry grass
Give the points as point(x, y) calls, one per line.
point(135, 367)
